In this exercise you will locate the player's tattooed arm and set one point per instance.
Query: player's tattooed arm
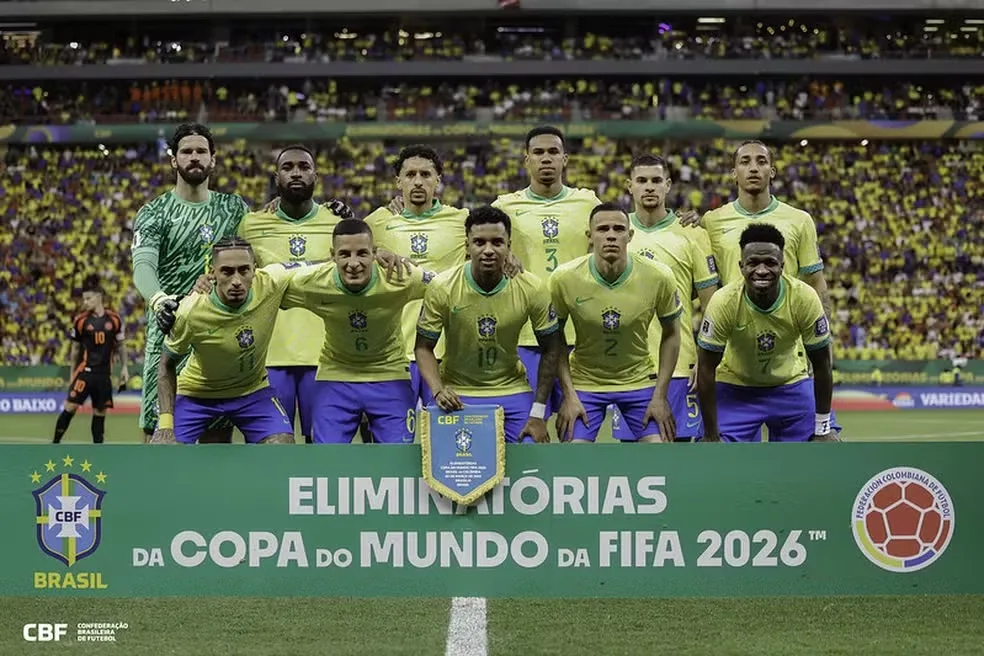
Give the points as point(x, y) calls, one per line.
point(446, 398)
point(76, 357)
point(707, 364)
point(124, 357)
point(571, 409)
point(819, 283)
point(167, 386)
point(823, 383)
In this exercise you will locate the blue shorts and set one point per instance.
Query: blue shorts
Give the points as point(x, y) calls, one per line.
point(515, 408)
point(530, 357)
point(257, 416)
point(418, 387)
point(788, 411)
point(632, 405)
point(389, 406)
point(294, 386)
point(686, 412)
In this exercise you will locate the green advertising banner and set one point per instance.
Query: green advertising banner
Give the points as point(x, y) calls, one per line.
point(458, 130)
point(41, 378)
point(568, 521)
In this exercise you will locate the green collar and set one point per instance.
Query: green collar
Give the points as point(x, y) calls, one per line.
point(470, 279)
point(775, 306)
point(434, 209)
point(307, 217)
point(773, 204)
point(217, 302)
point(543, 199)
point(611, 285)
point(369, 285)
point(665, 223)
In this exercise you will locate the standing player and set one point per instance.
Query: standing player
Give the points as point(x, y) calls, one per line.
point(295, 230)
point(98, 336)
point(612, 297)
point(482, 312)
point(757, 325)
point(417, 225)
point(550, 224)
point(227, 334)
point(753, 173)
point(687, 252)
point(172, 241)
point(363, 366)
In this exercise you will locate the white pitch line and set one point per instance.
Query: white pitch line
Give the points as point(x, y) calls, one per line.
point(467, 628)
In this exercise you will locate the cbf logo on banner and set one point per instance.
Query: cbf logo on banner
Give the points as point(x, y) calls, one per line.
point(464, 452)
point(903, 519)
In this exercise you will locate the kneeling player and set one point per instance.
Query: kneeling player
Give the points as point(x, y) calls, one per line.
point(363, 365)
point(228, 334)
point(755, 324)
point(612, 297)
point(482, 312)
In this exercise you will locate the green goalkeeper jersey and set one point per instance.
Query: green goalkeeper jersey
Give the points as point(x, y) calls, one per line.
point(181, 235)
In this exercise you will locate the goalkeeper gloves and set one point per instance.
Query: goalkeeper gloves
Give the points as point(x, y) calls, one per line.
point(165, 308)
point(340, 209)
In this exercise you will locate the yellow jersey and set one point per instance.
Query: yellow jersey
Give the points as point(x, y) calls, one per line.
point(435, 241)
point(762, 347)
point(482, 329)
point(366, 344)
point(612, 351)
point(228, 345)
point(277, 237)
point(548, 232)
point(687, 253)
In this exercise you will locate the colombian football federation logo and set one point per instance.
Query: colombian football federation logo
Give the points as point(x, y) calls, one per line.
point(298, 245)
point(486, 326)
point(463, 441)
point(245, 337)
point(68, 510)
point(206, 233)
point(766, 341)
point(903, 519)
point(551, 227)
point(358, 320)
point(418, 243)
point(611, 319)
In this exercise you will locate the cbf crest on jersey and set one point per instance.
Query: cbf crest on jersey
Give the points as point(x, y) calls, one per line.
point(551, 227)
point(207, 233)
point(418, 243)
point(647, 252)
point(486, 327)
point(358, 320)
point(68, 510)
point(611, 319)
point(298, 245)
point(766, 341)
point(245, 337)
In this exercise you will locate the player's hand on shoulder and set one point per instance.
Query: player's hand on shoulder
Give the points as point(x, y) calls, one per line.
point(394, 264)
point(272, 206)
point(571, 409)
point(537, 429)
point(166, 314)
point(690, 219)
point(513, 266)
point(163, 436)
point(204, 284)
point(396, 205)
point(339, 208)
point(447, 400)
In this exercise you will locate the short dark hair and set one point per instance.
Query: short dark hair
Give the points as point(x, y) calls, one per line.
point(751, 142)
point(190, 130)
point(424, 152)
point(351, 227)
point(300, 147)
point(647, 159)
point(229, 243)
point(94, 289)
point(488, 215)
point(761, 233)
point(606, 207)
point(545, 129)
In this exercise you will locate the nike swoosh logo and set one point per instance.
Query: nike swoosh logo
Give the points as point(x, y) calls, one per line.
point(520, 212)
point(212, 331)
point(694, 424)
point(727, 230)
point(580, 300)
point(392, 227)
point(456, 309)
point(741, 328)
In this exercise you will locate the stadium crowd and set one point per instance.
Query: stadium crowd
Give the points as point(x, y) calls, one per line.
point(63, 103)
point(901, 225)
point(528, 39)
